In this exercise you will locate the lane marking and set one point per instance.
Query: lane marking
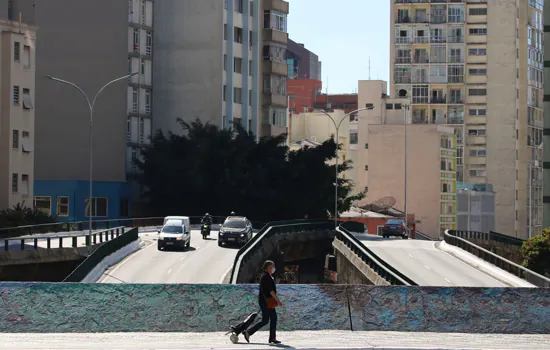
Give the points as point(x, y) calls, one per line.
point(197, 247)
point(410, 256)
point(182, 258)
point(426, 266)
point(169, 270)
point(117, 266)
point(446, 279)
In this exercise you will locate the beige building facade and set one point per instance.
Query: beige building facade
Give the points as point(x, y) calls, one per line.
point(17, 71)
point(477, 66)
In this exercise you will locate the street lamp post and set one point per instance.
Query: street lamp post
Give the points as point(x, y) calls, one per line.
point(91, 105)
point(405, 109)
point(337, 127)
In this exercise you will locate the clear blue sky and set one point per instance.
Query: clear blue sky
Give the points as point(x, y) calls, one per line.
point(344, 33)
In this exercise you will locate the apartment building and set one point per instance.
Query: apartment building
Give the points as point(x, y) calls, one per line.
point(84, 42)
point(475, 207)
point(546, 131)
point(222, 62)
point(477, 66)
point(17, 117)
point(302, 63)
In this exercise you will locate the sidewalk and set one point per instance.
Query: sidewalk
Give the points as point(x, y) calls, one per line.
point(292, 340)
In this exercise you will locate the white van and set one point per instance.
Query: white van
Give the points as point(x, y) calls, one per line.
point(184, 220)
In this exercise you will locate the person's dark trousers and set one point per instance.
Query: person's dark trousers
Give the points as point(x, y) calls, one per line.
point(268, 316)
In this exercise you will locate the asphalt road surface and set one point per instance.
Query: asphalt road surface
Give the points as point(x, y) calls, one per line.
point(427, 265)
point(203, 262)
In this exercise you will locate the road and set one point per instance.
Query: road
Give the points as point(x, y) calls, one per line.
point(427, 265)
point(204, 262)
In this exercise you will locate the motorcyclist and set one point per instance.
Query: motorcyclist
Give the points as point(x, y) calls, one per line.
point(207, 219)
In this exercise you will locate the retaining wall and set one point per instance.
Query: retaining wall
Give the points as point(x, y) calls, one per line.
point(78, 307)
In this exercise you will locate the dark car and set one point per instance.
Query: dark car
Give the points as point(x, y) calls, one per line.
point(395, 228)
point(235, 229)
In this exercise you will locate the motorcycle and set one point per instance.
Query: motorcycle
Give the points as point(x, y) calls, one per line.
point(205, 230)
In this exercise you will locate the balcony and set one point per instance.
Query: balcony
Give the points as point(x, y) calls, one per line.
point(273, 130)
point(438, 19)
point(438, 40)
point(273, 100)
point(455, 79)
point(274, 68)
point(421, 60)
point(403, 60)
point(455, 39)
point(276, 5)
point(438, 100)
point(455, 120)
point(402, 40)
point(275, 36)
point(421, 40)
point(412, 1)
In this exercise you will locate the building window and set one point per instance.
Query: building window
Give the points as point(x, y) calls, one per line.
point(26, 142)
point(475, 112)
point(225, 31)
point(148, 102)
point(43, 204)
point(27, 100)
point(398, 106)
point(251, 9)
point(478, 31)
point(26, 56)
point(238, 35)
point(149, 43)
point(62, 208)
point(478, 11)
point(274, 84)
point(275, 53)
point(478, 71)
point(455, 74)
point(353, 137)
point(143, 11)
point(15, 183)
point(238, 65)
point(15, 139)
point(10, 10)
point(224, 62)
point(239, 6)
point(225, 92)
point(238, 95)
point(389, 105)
point(250, 97)
point(477, 52)
point(275, 20)
point(16, 95)
point(99, 206)
point(136, 40)
point(134, 99)
point(25, 185)
point(250, 68)
point(16, 51)
point(477, 92)
point(124, 207)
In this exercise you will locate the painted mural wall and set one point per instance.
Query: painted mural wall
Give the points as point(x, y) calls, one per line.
point(51, 308)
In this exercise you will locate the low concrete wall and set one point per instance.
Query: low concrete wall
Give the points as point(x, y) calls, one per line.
point(76, 307)
point(353, 270)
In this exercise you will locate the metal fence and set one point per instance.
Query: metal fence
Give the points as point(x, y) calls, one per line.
point(103, 251)
point(382, 268)
point(80, 226)
point(296, 226)
point(455, 238)
point(489, 236)
point(55, 241)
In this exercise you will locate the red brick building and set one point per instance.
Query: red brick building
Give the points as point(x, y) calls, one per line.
point(347, 102)
point(302, 92)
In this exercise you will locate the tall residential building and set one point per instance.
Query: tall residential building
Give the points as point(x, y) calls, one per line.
point(85, 42)
point(477, 66)
point(302, 63)
point(546, 131)
point(222, 62)
point(17, 117)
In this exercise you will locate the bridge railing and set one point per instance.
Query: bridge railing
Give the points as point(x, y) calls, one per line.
point(54, 241)
point(103, 251)
point(455, 238)
point(382, 268)
point(423, 237)
point(79, 226)
point(270, 229)
point(489, 236)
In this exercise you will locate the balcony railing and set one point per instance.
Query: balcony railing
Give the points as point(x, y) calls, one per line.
point(412, 1)
point(403, 80)
point(403, 60)
point(438, 19)
point(402, 40)
point(455, 120)
point(456, 101)
point(456, 79)
point(438, 40)
point(455, 39)
point(438, 100)
point(421, 60)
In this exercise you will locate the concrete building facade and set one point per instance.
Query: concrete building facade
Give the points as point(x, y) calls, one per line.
point(17, 113)
point(477, 66)
point(222, 62)
point(546, 131)
point(72, 46)
point(302, 63)
point(475, 207)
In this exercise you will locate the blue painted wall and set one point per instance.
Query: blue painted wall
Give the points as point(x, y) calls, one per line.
point(78, 191)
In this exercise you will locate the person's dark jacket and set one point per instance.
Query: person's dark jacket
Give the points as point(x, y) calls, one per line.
point(207, 220)
point(267, 285)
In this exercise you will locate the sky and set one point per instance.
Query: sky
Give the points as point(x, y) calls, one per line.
point(344, 34)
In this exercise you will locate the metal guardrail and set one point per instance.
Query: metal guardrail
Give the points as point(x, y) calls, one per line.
point(101, 253)
point(60, 227)
point(272, 228)
point(489, 236)
point(382, 268)
point(98, 237)
point(423, 237)
point(452, 237)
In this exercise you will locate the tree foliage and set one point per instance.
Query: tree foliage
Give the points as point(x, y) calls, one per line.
point(21, 215)
point(536, 253)
point(207, 169)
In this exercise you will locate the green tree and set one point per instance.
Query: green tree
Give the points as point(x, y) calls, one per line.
point(207, 169)
point(536, 253)
point(21, 215)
